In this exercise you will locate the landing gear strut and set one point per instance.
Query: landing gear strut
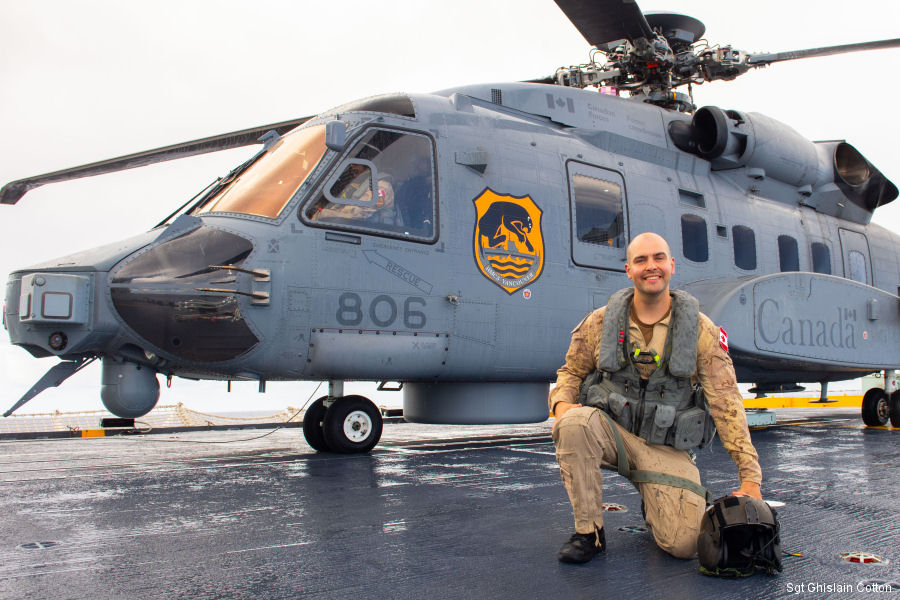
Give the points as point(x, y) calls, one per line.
point(345, 424)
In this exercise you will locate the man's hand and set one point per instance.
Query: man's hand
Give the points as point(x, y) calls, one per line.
point(748, 488)
point(561, 407)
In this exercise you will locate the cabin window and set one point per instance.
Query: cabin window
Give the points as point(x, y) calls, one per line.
point(385, 185)
point(744, 247)
point(821, 258)
point(598, 211)
point(788, 254)
point(694, 239)
point(858, 269)
point(855, 255)
point(599, 216)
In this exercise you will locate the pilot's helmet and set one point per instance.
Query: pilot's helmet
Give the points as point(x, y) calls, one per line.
point(738, 536)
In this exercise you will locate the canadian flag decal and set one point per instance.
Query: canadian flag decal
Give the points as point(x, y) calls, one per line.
point(723, 339)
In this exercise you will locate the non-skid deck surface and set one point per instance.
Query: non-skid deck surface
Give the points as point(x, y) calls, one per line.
point(433, 512)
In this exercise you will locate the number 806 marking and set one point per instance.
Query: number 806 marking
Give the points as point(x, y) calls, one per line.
point(382, 311)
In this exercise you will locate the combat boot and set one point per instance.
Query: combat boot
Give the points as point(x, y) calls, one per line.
point(582, 547)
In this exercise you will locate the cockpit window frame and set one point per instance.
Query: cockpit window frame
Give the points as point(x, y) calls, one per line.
point(336, 163)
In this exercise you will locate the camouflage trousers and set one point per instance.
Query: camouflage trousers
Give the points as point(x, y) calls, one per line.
point(585, 442)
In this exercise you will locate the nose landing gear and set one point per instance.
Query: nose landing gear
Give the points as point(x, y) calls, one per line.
point(344, 424)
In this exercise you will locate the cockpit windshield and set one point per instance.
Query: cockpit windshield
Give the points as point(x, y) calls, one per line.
point(267, 185)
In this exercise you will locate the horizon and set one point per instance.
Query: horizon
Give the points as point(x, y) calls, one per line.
point(105, 79)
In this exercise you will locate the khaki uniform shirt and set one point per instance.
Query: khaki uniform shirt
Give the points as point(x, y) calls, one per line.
point(381, 211)
point(715, 372)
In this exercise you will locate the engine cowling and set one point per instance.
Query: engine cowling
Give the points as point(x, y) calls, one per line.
point(824, 173)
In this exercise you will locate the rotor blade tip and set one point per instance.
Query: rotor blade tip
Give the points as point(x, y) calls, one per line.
point(13, 192)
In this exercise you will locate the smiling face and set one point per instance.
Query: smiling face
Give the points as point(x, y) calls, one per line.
point(649, 265)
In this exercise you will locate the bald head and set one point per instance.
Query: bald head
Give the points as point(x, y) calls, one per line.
point(649, 240)
point(650, 266)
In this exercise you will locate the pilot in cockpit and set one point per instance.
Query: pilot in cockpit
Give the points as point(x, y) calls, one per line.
point(383, 210)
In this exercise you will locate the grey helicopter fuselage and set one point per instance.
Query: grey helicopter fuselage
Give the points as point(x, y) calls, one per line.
point(512, 207)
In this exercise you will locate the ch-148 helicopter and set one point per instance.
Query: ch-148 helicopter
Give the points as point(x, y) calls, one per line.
point(450, 241)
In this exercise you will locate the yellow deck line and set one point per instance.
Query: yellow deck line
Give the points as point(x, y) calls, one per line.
point(842, 401)
point(772, 402)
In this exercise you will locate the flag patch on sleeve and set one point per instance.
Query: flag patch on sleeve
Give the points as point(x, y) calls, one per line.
point(723, 339)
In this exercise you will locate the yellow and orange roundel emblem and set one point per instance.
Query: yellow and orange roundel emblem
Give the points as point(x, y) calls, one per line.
point(509, 246)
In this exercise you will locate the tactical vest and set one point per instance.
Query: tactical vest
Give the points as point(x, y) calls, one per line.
point(664, 408)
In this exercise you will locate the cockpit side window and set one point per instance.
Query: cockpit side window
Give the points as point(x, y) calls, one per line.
point(268, 184)
point(384, 185)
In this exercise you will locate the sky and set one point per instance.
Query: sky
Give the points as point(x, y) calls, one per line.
point(95, 79)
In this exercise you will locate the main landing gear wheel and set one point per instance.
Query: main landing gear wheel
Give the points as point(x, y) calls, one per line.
point(312, 425)
point(895, 408)
point(352, 424)
point(875, 407)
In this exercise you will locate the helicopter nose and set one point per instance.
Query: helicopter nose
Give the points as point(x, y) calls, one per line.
point(51, 313)
point(182, 295)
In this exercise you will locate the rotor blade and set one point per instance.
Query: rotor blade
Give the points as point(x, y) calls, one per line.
point(551, 79)
point(759, 60)
point(13, 191)
point(603, 21)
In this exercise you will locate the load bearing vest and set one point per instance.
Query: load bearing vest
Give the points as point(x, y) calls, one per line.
point(664, 408)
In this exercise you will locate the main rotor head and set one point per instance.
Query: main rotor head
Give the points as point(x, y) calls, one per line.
point(649, 55)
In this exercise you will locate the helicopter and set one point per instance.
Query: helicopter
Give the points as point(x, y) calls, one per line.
point(501, 327)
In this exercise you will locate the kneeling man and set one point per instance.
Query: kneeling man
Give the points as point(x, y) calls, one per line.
point(645, 356)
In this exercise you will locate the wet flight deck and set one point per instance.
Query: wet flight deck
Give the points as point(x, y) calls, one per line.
point(432, 512)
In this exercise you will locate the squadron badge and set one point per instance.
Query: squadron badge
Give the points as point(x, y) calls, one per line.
point(508, 243)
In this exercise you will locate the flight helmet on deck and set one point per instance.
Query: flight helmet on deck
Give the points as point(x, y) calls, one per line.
point(738, 535)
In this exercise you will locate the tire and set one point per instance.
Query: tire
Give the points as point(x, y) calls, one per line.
point(352, 425)
point(895, 409)
point(312, 425)
point(875, 407)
